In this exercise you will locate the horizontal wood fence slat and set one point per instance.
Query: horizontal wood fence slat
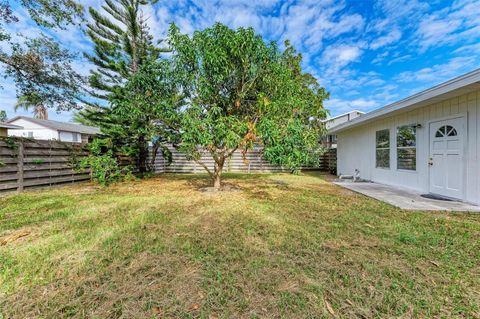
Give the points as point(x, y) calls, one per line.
point(328, 161)
point(26, 163)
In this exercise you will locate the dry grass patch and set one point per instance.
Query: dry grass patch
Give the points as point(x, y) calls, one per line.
point(283, 246)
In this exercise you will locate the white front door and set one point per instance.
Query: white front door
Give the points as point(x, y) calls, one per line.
point(447, 138)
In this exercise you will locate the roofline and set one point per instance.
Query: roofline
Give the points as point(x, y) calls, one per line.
point(422, 96)
point(19, 117)
point(338, 116)
point(10, 126)
point(52, 128)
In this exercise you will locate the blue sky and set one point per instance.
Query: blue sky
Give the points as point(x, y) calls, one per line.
point(366, 53)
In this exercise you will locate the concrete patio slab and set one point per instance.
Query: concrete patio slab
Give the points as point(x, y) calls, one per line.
point(405, 199)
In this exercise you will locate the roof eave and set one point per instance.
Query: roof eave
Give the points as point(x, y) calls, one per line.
point(10, 126)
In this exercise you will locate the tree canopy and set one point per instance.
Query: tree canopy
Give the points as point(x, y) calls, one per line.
point(40, 67)
point(240, 90)
point(3, 116)
point(123, 46)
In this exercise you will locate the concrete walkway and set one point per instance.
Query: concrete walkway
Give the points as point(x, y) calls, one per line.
point(405, 199)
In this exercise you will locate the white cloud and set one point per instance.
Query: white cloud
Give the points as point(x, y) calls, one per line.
point(458, 23)
point(402, 11)
point(389, 38)
point(335, 58)
point(435, 30)
point(308, 25)
point(399, 59)
point(469, 49)
point(439, 72)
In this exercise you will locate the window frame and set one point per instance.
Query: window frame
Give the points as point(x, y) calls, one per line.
point(383, 149)
point(397, 147)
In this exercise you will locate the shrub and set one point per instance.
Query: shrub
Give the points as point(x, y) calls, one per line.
point(104, 167)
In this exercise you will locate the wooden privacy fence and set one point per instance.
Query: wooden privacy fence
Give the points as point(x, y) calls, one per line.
point(328, 161)
point(254, 163)
point(27, 163)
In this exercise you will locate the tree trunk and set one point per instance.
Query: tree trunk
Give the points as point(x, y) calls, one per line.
point(217, 183)
point(217, 174)
point(142, 155)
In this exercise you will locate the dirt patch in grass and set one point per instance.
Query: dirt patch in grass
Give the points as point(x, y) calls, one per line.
point(283, 246)
point(224, 188)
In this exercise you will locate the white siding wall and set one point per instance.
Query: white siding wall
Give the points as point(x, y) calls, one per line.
point(356, 147)
point(70, 137)
point(39, 132)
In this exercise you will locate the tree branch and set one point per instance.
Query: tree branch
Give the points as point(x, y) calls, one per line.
point(232, 151)
point(205, 167)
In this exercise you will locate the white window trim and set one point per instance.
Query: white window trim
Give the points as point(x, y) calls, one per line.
point(384, 148)
point(406, 147)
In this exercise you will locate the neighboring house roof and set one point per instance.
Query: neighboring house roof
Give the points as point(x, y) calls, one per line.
point(60, 126)
point(9, 126)
point(342, 115)
point(460, 85)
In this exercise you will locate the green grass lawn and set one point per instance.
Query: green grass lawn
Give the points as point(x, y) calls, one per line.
point(282, 246)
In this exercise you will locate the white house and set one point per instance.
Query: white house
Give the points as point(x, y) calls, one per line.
point(330, 140)
point(52, 130)
point(428, 142)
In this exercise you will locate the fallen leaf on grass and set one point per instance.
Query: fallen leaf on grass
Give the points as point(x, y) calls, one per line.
point(434, 263)
point(349, 302)
point(194, 307)
point(329, 307)
point(157, 310)
point(370, 226)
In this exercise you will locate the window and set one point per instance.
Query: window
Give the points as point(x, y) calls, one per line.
point(75, 137)
point(383, 149)
point(446, 130)
point(407, 147)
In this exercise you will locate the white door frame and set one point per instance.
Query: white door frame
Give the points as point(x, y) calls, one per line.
point(464, 116)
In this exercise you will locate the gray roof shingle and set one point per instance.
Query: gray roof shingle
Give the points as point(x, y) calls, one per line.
point(60, 126)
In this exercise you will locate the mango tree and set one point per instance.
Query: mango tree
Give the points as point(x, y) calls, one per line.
point(240, 90)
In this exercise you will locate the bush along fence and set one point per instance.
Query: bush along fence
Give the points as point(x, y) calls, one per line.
point(28, 163)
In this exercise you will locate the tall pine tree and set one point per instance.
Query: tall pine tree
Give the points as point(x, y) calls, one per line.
point(122, 45)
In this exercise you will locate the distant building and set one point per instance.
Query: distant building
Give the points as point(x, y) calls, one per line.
point(4, 127)
point(330, 141)
point(52, 130)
